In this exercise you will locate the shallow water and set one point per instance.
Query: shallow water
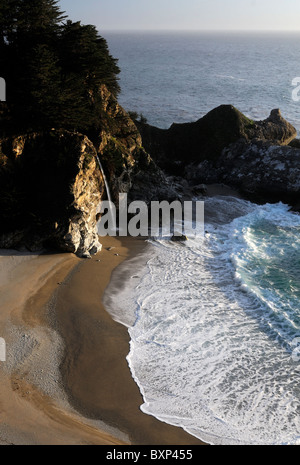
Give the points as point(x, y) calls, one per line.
point(214, 342)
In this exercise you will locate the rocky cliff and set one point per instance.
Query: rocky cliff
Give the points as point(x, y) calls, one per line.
point(51, 185)
point(259, 158)
point(261, 171)
point(128, 166)
point(50, 189)
point(190, 143)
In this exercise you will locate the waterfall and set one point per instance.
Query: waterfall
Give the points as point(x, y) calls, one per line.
point(111, 216)
point(105, 180)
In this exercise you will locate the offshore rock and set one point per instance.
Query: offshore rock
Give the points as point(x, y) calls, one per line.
point(50, 189)
point(190, 143)
point(179, 237)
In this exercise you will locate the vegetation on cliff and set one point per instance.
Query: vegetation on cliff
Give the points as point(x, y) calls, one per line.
point(61, 114)
point(53, 68)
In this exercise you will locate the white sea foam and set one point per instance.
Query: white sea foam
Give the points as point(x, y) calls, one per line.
point(208, 352)
point(225, 76)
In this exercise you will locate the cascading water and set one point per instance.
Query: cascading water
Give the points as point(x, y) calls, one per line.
point(105, 180)
point(111, 218)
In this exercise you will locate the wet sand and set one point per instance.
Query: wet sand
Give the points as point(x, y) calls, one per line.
point(66, 378)
point(95, 373)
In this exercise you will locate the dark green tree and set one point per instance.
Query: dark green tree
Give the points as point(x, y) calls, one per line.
point(45, 101)
point(53, 68)
point(29, 22)
point(85, 53)
point(29, 38)
point(86, 64)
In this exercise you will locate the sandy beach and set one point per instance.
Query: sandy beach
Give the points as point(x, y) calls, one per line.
point(66, 379)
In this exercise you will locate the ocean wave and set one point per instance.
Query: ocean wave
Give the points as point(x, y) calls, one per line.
point(225, 76)
point(203, 351)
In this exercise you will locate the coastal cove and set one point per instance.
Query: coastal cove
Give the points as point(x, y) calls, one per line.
point(179, 323)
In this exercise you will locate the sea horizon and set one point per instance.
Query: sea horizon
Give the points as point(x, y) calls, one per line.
point(149, 268)
point(178, 76)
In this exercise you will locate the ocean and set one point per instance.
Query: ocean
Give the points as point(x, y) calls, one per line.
point(215, 322)
point(178, 77)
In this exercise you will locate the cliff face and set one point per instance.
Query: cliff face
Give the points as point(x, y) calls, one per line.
point(50, 189)
point(259, 158)
point(190, 143)
point(262, 165)
point(261, 171)
point(128, 166)
point(51, 184)
point(119, 144)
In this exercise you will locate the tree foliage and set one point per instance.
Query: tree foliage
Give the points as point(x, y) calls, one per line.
point(53, 67)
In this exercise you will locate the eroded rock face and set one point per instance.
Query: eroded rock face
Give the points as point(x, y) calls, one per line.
point(183, 144)
point(259, 158)
point(51, 184)
point(128, 167)
point(119, 145)
point(261, 171)
point(274, 129)
point(50, 189)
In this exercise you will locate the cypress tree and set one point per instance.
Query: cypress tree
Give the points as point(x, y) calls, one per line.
point(53, 69)
point(85, 52)
point(45, 95)
point(86, 64)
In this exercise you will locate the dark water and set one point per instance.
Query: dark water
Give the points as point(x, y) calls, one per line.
point(179, 77)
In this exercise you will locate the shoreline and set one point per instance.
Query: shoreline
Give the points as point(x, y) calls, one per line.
point(34, 408)
point(66, 379)
point(99, 383)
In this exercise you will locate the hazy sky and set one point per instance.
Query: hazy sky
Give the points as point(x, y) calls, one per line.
point(186, 14)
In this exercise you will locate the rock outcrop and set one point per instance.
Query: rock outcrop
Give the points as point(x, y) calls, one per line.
point(185, 144)
point(259, 158)
point(119, 144)
point(261, 171)
point(51, 185)
point(50, 189)
point(128, 166)
point(275, 129)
